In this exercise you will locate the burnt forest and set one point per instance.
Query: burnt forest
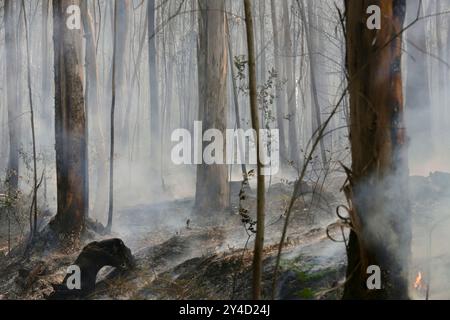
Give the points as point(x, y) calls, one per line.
point(224, 150)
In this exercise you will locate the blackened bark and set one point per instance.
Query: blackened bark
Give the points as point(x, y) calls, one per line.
point(93, 257)
point(70, 128)
point(381, 233)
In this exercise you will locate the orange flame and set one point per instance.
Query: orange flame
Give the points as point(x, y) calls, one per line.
point(418, 284)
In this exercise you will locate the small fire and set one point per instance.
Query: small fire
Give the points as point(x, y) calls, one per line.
point(418, 284)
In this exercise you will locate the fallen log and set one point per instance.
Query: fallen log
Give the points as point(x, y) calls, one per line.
point(92, 258)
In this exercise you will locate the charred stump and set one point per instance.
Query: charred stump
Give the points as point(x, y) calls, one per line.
point(92, 258)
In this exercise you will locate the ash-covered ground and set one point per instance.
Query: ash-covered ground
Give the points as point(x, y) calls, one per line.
point(179, 256)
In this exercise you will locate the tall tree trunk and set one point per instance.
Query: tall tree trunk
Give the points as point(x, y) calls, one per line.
point(381, 224)
point(155, 118)
point(122, 76)
point(122, 18)
point(12, 79)
point(315, 73)
point(279, 93)
point(70, 128)
point(33, 222)
point(235, 95)
point(113, 110)
point(294, 148)
point(45, 93)
point(93, 110)
point(262, 52)
point(261, 57)
point(441, 68)
point(212, 190)
point(46, 83)
point(418, 100)
point(260, 216)
point(167, 62)
point(91, 95)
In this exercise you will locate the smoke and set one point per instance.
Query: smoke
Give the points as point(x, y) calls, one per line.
point(149, 197)
point(427, 97)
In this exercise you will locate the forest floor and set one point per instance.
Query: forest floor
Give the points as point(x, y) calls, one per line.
point(201, 260)
point(196, 260)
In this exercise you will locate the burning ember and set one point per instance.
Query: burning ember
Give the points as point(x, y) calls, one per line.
point(418, 284)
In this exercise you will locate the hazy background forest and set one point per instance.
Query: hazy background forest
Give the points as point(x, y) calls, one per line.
point(86, 123)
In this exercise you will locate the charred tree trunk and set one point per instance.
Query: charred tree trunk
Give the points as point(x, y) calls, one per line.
point(93, 257)
point(212, 190)
point(70, 128)
point(381, 225)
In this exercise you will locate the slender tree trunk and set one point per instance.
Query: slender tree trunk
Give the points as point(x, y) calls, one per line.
point(447, 57)
point(441, 68)
point(122, 30)
point(100, 205)
point(316, 115)
point(12, 79)
point(46, 82)
point(33, 225)
point(70, 128)
point(262, 53)
point(381, 222)
point(279, 93)
point(294, 148)
point(122, 76)
point(418, 100)
point(261, 57)
point(260, 215)
point(168, 63)
point(235, 94)
point(113, 109)
point(45, 94)
point(155, 118)
point(91, 95)
point(136, 67)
